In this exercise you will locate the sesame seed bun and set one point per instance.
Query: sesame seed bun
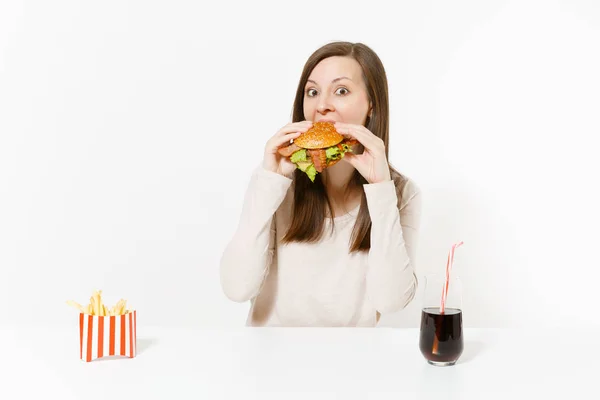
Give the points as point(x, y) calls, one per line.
point(321, 135)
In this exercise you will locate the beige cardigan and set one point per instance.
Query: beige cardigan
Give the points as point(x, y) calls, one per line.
point(301, 284)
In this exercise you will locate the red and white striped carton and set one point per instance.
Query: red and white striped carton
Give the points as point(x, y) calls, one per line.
point(107, 336)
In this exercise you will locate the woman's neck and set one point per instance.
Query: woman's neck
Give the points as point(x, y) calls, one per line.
point(336, 180)
point(337, 177)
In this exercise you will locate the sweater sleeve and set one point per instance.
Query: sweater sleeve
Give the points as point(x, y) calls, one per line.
point(246, 259)
point(391, 278)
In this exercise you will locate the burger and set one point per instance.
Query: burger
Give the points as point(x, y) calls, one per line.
point(318, 148)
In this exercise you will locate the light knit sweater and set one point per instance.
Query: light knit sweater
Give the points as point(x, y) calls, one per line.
point(302, 284)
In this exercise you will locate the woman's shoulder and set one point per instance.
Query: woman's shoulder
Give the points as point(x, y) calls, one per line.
point(406, 189)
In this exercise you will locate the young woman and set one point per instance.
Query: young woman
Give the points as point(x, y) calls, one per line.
point(338, 251)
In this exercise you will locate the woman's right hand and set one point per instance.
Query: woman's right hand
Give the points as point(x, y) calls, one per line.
point(275, 162)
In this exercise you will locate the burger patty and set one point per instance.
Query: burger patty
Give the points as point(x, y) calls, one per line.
point(317, 156)
point(348, 142)
point(289, 150)
point(319, 159)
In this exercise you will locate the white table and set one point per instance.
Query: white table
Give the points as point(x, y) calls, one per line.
point(296, 363)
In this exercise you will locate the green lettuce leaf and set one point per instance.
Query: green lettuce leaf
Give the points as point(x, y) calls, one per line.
point(304, 163)
point(311, 171)
point(308, 168)
point(299, 155)
point(332, 152)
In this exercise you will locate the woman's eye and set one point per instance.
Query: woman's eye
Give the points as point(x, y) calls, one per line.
point(342, 91)
point(311, 92)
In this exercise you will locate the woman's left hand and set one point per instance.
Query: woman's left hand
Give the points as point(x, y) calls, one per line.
point(372, 164)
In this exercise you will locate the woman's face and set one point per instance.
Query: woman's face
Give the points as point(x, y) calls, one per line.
point(335, 91)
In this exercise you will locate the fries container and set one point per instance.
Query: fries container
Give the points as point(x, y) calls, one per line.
point(107, 336)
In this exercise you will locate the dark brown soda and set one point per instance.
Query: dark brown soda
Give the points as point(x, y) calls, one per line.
point(441, 339)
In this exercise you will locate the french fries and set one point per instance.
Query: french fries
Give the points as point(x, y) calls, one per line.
point(96, 307)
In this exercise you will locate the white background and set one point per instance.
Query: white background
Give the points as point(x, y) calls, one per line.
point(129, 129)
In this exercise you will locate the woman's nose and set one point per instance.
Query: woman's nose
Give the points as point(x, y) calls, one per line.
point(324, 105)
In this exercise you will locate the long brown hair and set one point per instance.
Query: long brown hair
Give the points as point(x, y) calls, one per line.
point(310, 198)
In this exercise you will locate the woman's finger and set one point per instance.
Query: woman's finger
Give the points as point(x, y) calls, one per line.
point(360, 133)
point(363, 135)
point(294, 127)
point(279, 141)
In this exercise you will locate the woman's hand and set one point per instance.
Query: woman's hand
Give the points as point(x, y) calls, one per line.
point(372, 164)
point(275, 162)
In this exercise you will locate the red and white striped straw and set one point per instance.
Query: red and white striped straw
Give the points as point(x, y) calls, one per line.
point(449, 264)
